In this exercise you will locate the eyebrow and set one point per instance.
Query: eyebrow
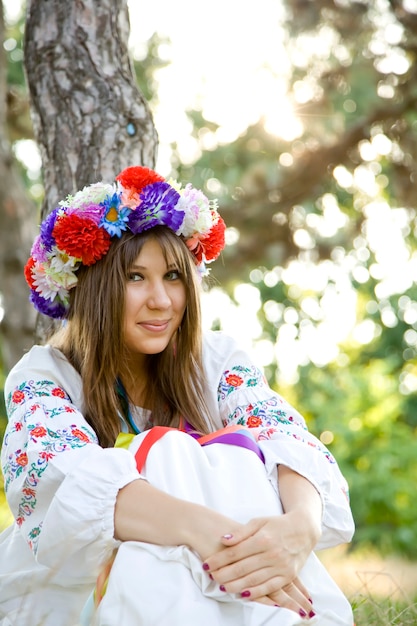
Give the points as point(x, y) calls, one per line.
point(143, 267)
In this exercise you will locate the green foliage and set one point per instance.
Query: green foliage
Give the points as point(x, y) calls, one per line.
point(359, 120)
point(360, 410)
point(147, 64)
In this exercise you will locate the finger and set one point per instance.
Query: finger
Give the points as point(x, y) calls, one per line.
point(256, 579)
point(247, 567)
point(297, 582)
point(286, 602)
point(291, 598)
point(246, 531)
point(227, 556)
point(266, 600)
point(273, 588)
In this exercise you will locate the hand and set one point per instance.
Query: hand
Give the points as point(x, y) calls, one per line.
point(262, 559)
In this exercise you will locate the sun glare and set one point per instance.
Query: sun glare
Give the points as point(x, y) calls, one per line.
point(231, 64)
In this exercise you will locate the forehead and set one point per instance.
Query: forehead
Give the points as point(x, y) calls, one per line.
point(154, 251)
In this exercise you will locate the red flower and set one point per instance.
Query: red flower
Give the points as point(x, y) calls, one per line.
point(18, 426)
point(69, 409)
point(254, 421)
point(138, 177)
point(28, 272)
point(38, 431)
point(22, 459)
point(211, 244)
point(233, 380)
point(79, 434)
point(27, 491)
point(46, 455)
point(57, 391)
point(81, 238)
point(18, 396)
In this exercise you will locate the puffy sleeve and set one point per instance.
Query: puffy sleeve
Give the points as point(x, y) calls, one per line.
point(245, 398)
point(60, 484)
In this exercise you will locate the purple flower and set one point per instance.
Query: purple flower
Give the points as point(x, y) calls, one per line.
point(89, 211)
point(54, 309)
point(46, 229)
point(157, 207)
point(38, 250)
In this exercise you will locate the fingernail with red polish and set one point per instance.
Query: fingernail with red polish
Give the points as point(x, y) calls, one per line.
point(277, 605)
point(211, 577)
point(206, 566)
point(222, 588)
point(245, 594)
point(302, 613)
point(227, 536)
point(311, 614)
point(310, 600)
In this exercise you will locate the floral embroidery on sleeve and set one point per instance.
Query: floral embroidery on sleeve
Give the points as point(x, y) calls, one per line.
point(32, 407)
point(264, 434)
point(238, 378)
point(261, 413)
point(270, 410)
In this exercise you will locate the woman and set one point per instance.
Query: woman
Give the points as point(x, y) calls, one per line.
point(207, 507)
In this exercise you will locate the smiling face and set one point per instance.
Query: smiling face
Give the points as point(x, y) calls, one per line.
point(155, 303)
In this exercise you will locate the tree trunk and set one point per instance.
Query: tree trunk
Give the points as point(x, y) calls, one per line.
point(90, 119)
point(18, 219)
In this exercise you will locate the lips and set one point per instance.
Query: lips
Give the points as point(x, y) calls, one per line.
point(155, 325)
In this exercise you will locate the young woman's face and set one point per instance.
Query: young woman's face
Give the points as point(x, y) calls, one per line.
point(155, 302)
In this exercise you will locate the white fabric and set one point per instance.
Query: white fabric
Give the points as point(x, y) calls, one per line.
point(163, 586)
point(62, 486)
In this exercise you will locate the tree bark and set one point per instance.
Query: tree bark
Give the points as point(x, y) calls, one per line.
point(18, 218)
point(89, 117)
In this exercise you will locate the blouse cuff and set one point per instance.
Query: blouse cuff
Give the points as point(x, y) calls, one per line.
point(325, 476)
point(78, 530)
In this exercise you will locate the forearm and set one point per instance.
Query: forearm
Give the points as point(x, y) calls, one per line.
point(301, 500)
point(145, 513)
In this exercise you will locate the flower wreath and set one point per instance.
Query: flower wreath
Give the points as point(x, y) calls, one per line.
point(80, 230)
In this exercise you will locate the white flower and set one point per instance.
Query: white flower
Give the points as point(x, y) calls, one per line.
point(55, 277)
point(196, 207)
point(92, 194)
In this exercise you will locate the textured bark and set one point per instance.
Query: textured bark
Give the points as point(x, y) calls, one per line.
point(85, 101)
point(89, 118)
point(18, 218)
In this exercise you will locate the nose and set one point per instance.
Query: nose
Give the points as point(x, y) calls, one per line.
point(158, 296)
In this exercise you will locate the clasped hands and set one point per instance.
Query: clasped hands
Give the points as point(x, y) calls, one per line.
point(262, 559)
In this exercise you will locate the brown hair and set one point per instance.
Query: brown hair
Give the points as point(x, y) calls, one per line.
point(93, 340)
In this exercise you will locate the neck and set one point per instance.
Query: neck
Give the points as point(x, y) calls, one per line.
point(134, 381)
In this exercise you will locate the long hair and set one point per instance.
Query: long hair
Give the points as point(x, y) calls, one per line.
point(93, 341)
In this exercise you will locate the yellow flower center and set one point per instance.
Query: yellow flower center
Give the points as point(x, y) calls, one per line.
point(112, 215)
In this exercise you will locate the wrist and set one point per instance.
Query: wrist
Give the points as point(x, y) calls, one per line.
point(307, 522)
point(205, 529)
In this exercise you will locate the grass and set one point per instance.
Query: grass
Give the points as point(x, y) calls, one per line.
point(370, 611)
point(381, 590)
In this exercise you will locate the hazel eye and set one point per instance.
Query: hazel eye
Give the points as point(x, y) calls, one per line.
point(173, 275)
point(134, 277)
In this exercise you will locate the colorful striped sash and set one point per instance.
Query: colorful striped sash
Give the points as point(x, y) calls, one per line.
point(231, 435)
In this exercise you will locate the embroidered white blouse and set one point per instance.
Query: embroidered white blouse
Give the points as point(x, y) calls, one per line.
point(62, 486)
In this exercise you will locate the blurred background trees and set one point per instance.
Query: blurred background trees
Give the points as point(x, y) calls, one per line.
point(322, 237)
